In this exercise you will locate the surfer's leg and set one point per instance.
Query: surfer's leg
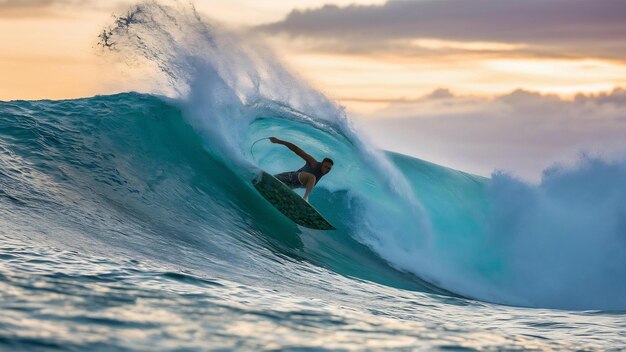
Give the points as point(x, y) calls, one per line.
point(290, 179)
point(308, 181)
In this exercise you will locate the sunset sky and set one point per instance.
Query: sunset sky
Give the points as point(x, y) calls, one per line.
point(474, 84)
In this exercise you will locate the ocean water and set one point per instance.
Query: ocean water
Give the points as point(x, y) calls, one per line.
point(129, 222)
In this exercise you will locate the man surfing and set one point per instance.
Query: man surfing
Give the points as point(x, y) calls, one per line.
point(308, 175)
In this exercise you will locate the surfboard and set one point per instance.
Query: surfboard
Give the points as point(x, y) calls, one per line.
point(289, 202)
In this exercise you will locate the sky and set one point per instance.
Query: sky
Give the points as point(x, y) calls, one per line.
point(478, 85)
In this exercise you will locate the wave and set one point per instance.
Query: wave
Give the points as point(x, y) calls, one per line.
point(166, 177)
point(129, 173)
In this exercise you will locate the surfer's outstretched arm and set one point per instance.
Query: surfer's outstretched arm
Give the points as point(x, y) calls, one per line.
point(294, 148)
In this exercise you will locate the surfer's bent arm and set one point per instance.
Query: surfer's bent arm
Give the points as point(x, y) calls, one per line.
point(294, 148)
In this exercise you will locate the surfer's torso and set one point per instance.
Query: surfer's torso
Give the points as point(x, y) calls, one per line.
point(314, 170)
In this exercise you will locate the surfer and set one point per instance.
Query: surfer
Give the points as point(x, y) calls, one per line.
point(308, 175)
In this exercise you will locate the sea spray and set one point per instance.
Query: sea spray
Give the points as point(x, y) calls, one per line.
point(221, 78)
point(214, 73)
point(564, 240)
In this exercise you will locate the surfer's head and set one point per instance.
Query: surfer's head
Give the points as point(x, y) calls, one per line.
point(327, 165)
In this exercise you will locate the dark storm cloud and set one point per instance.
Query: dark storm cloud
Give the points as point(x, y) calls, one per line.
point(581, 26)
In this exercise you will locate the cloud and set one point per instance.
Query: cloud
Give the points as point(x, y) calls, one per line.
point(539, 27)
point(523, 132)
point(23, 9)
point(5, 4)
point(40, 8)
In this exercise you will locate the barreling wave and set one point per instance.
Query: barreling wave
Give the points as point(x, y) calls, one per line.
point(129, 172)
point(167, 177)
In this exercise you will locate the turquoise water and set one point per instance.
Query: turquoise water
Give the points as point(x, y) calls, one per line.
point(120, 229)
point(129, 222)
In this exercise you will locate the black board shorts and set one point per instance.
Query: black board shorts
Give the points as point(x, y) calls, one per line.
point(290, 179)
